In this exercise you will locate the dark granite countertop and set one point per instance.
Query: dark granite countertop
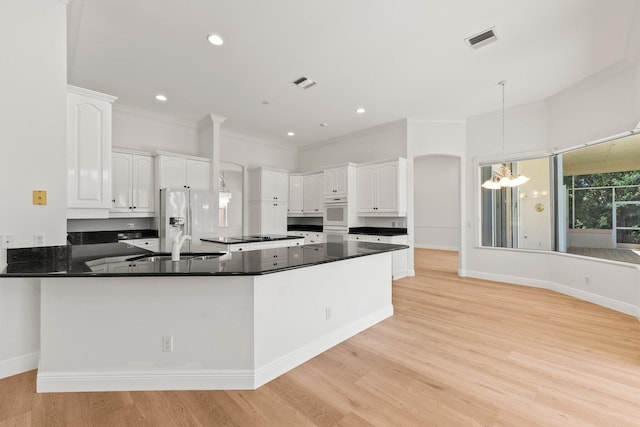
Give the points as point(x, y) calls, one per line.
point(303, 227)
point(95, 237)
point(379, 231)
point(120, 259)
point(230, 240)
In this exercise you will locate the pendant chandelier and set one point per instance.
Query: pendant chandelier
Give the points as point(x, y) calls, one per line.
point(502, 177)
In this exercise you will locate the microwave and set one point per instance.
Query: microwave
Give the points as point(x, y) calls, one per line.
point(335, 212)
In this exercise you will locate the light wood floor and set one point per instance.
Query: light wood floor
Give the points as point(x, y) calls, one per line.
point(457, 352)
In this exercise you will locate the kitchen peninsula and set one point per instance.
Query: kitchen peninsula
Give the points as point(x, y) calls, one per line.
point(219, 321)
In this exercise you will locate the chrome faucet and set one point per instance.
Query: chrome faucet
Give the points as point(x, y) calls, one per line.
point(176, 245)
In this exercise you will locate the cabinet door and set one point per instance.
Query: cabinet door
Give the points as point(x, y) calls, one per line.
point(172, 171)
point(366, 188)
point(387, 184)
point(281, 185)
point(143, 183)
point(88, 153)
point(198, 172)
point(341, 181)
point(329, 179)
point(296, 194)
point(121, 179)
point(310, 191)
point(280, 218)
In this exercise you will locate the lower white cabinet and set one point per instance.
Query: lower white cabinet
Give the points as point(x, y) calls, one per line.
point(400, 260)
point(310, 237)
point(267, 217)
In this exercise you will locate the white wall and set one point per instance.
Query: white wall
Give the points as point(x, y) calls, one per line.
point(140, 130)
point(601, 105)
point(251, 153)
point(33, 132)
point(436, 197)
point(386, 141)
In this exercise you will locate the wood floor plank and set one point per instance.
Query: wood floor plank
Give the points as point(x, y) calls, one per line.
point(457, 352)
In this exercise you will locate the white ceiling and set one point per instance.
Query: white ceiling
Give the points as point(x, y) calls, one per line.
point(403, 58)
point(621, 154)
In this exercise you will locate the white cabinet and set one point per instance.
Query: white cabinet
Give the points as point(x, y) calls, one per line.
point(310, 237)
point(179, 171)
point(336, 181)
point(267, 217)
point(88, 153)
point(313, 194)
point(133, 184)
point(382, 189)
point(399, 258)
point(296, 195)
point(268, 184)
point(268, 193)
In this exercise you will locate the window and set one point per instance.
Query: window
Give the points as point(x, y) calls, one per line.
point(520, 216)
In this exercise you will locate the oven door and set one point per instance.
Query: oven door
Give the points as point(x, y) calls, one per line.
point(335, 215)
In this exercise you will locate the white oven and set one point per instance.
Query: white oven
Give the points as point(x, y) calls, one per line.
point(336, 213)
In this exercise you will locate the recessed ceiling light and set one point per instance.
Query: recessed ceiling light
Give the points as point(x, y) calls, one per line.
point(215, 39)
point(360, 110)
point(161, 97)
point(290, 133)
point(324, 125)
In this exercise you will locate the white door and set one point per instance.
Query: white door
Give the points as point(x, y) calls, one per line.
point(341, 181)
point(366, 179)
point(88, 152)
point(296, 193)
point(121, 182)
point(329, 180)
point(387, 182)
point(143, 184)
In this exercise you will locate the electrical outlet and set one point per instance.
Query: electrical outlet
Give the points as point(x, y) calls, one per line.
point(587, 280)
point(131, 225)
point(38, 239)
point(328, 313)
point(6, 241)
point(167, 343)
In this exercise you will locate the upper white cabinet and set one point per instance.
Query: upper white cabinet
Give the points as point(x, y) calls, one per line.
point(296, 195)
point(382, 189)
point(336, 181)
point(179, 171)
point(133, 184)
point(268, 184)
point(313, 194)
point(88, 153)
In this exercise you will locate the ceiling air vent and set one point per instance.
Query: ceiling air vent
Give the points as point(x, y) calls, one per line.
point(304, 83)
point(482, 39)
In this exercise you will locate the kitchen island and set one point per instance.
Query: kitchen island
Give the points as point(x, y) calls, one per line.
point(232, 321)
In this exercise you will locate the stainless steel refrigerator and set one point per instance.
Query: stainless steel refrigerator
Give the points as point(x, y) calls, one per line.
point(192, 212)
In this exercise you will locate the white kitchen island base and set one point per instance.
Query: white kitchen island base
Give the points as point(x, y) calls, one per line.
point(229, 332)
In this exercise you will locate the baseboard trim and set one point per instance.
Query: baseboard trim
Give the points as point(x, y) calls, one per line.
point(297, 357)
point(19, 365)
point(244, 379)
point(616, 305)
point(145, 380)
point(400, 275)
